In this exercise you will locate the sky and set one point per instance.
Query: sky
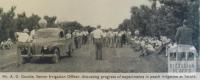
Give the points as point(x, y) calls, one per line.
point(108, 13)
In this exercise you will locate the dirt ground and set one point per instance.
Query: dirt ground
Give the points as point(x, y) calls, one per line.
point(83, 60)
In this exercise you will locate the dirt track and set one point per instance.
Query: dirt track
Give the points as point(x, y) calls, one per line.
point(114, 60)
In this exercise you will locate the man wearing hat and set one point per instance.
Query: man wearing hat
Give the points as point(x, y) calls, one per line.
point(98, 36)
point(184, 35)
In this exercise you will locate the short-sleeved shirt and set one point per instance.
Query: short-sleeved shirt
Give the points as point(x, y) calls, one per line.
point(120, 33)
point(97, 34)
point(150, 47)
point(110, 34)
point(23, 37)
point(128, 33)
point(104, 34)
point(2, 43)
point(85, 33)
point(68, 36)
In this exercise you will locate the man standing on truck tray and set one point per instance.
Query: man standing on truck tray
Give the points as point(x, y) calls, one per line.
point(184, 35)
point(98, 35)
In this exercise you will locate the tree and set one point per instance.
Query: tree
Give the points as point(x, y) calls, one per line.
point(22, 21)
point(126, 24)
point(165, 19)
point(7, 23)
point(89, 28)
point(50, 20)
point(186, 10)
point(33, 22)
point(74, 25)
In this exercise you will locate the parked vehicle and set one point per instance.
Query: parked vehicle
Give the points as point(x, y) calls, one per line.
point(47, 42)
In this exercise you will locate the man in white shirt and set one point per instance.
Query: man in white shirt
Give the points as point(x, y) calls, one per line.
point(128, 33)
point(76, 38)
point(111, 36)
point(98, 35)
point(85, 36)
point(115, 33)
point(9, 43)
point(70, 38)
point(2, 45)
point(23, 41)
point(119, 36)
point(68, 35)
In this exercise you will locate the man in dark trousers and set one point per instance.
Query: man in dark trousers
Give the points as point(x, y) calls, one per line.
point(184, 35)
point(98, 35)
point(184, 38)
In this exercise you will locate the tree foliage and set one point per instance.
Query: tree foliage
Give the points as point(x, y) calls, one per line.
point(73, 25)
point(50, 20)
point(11, 23)
point(6, 23)
point(164, 20)
point(31, 22)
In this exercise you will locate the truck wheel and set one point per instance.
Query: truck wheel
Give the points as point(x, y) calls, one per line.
point(56, 57)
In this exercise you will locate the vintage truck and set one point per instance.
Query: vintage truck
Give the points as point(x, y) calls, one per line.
point(47, 42)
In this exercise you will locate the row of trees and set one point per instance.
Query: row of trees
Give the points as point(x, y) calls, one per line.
point(10, 22)
point(163, 19)
point(74, 25)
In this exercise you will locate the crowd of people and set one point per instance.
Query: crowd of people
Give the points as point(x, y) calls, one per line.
point(7, 44)
point(114, 38)
point(109, 38)
point(118, 38)
point(151, 45)
point(24, 36)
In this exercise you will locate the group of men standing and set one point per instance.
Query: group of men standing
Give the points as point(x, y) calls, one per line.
point(109, 38)
point(79, 37)
point(101, 38)
point(184, 36)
